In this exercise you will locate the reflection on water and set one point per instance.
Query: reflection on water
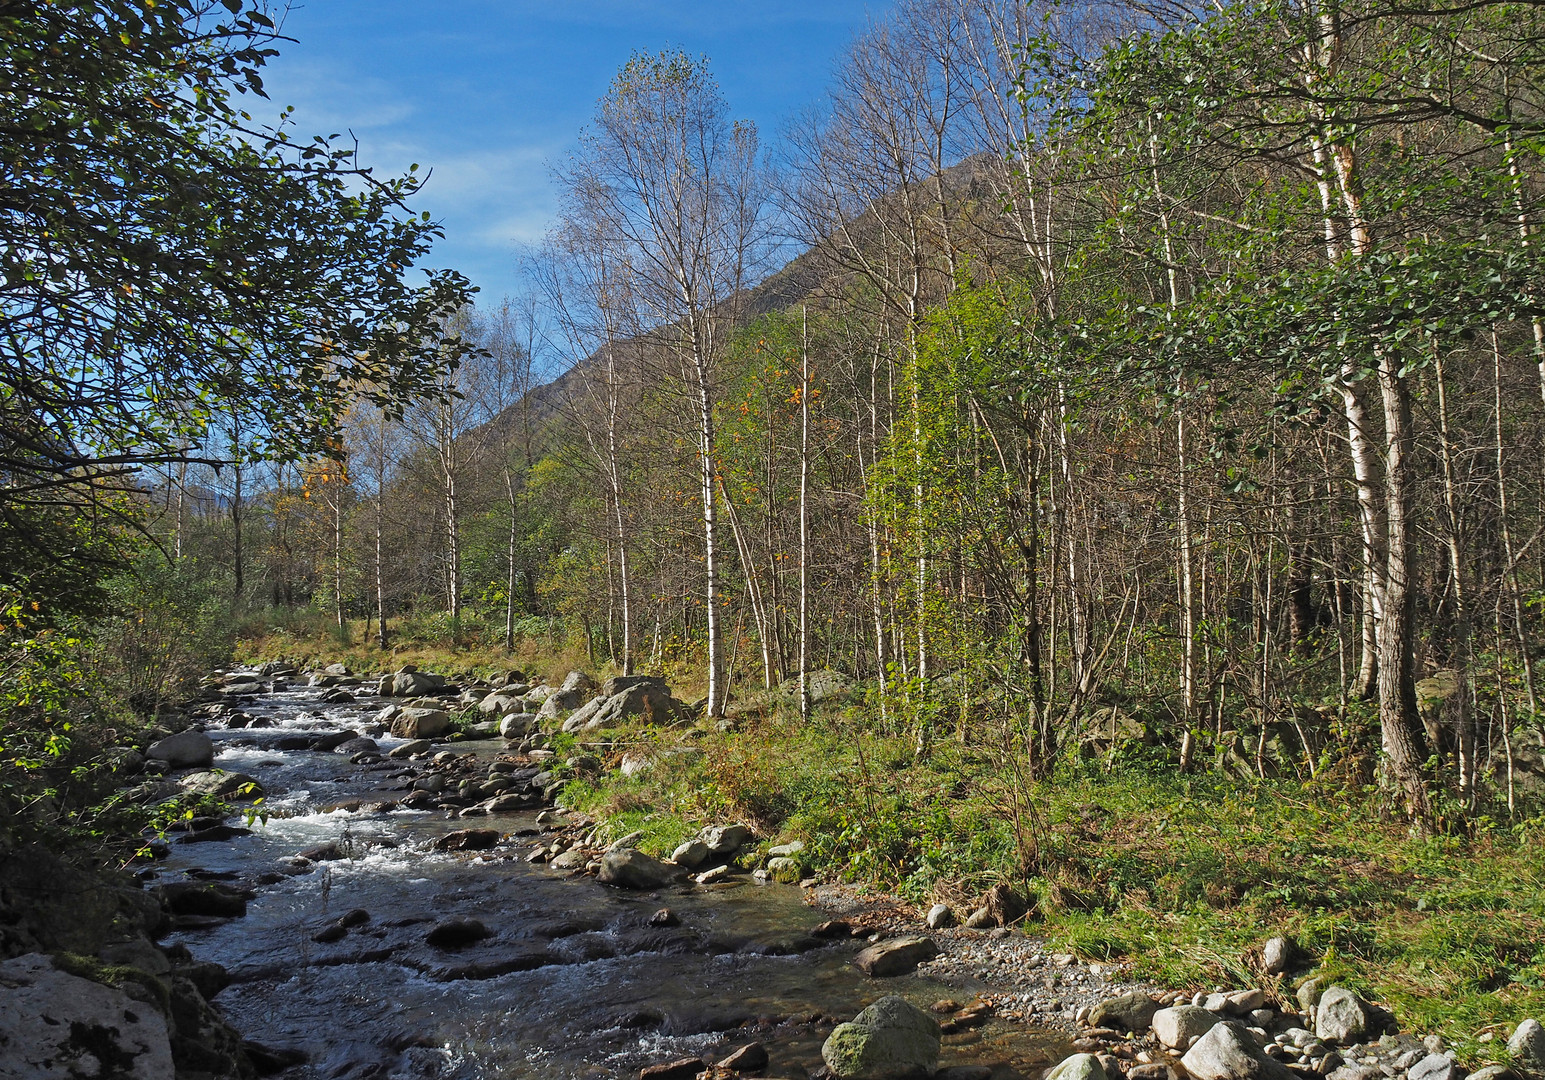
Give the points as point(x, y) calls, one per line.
point(573, 980)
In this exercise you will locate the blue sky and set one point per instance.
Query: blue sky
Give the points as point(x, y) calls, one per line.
point(488, 93)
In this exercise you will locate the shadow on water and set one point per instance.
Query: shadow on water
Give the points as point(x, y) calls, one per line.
point(574, 981)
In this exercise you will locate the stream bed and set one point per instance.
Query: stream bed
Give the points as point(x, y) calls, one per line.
point(575, 980)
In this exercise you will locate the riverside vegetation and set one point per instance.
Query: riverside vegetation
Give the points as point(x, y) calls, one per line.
point(1096, 453)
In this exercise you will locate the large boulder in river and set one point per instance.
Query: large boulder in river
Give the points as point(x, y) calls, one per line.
point(185, 750)
point(890, 1040)
point(629, 868)
point(222, 785)
point(420, 723)
point(896, 956)
point(416, 683)
point(57, 1025)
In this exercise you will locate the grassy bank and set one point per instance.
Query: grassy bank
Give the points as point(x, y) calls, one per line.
point(1181, 877)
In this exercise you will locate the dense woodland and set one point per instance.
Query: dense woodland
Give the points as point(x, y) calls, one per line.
point(1150, 372)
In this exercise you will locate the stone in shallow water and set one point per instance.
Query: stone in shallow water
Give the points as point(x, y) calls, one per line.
point(632, 869)
point(897, 956)
point(890, 1040)
point(455, 933)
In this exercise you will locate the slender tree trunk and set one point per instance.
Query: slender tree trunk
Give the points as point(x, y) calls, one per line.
point(804, 515)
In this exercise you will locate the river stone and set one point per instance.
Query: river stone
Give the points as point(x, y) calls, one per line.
point(1435, 1067)
point(681, 1069)
point(420, 723)
point(1495, 1072)
point(201, 898)
point(1309, 992)
point(332, 740)
point(518, 725)
point(690, 855)
point(1244, 1002)
point(55, 1025)
point(454, 933)
point(1176, 1027)
point(221, 785)
point(573, 859)
point(1528, 1045)
point(898, 956)
point(468, 840)
point(408, 749)
point(724, 840)
point(1129, 1012)
point(940, 917)
point(1227, 1052)
point(650, 701)
point(749, 1058)
point(629, 868)
point(1341, 1016)
point(890, 1040)
point(561, 701)
point(1078, 1067)
point(1280, 954)
point(185, 750)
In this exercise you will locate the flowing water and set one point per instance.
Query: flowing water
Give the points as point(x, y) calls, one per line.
point(574, 982)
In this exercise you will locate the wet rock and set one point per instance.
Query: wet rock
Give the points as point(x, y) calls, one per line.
point(1227, 1052)
point(201, 898)
point(456, 933)
point(53, 1024)
point(890, 1040)
point(964, 1072)
point(292, 742)
point(330, 933)
point(267, 1061)
point(185, 750)
point(420, 723)
point(833, 928)
point(136, 953)
point(361, 745)
point(710, 877)
point(222, 785)
point(1342, 1017)
point(328, 852)
point(630, 868)
point(326, 744)
point(681, 1069)
point(1078, 1067)
point(1132, 1012)
point(784, 869)
point(898, 956)
point(665, 917)
point(573, 859)
point(1176, 1027)
point(749, 1058)
point(468, 840)
point(1528, 1045)
point(940, 917)
point(216, 832)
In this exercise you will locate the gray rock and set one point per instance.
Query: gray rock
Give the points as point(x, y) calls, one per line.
point(1228, 1052)
point(408, 749)
point(940, 917)
point(420, 723)
point(1280, 954)
point(897, 956)
point(649, 701)
point(1245, 1001)
point(561, 701)
point(185, 750)
point(577, 680)
point(786, 851)
point(517, 725)
point(1176, 1027)
point(1495, 1072)
point(57, 1025)
point(629, 868)
point(890, 1040)
point(749, 1058)
point(1435, 1067)
point(724, 840)
point(1309, 996)
point(690, 855)
point(981, 919)
point(222, 785)
point(1128, 1012)
point(1342, 1017)
point(1528, 1045)
point(1078, 1067)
